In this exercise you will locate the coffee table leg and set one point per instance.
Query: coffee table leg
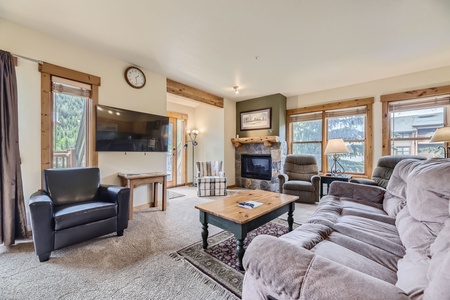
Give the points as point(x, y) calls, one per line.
point(290, 218)
point(205, 234)
point(240, 253)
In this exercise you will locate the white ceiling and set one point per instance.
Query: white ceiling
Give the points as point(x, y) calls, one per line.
point(265, 47)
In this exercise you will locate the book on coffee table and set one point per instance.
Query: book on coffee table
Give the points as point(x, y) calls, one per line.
point(249, 204)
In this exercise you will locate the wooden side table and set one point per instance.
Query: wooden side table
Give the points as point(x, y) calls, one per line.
point(328, 179)
point(135, 180)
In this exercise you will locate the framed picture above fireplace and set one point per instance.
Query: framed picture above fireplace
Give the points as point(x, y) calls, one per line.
point(256, 119)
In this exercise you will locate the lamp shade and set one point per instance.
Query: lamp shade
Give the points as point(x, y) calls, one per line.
point(336, 146)
point(441, 135)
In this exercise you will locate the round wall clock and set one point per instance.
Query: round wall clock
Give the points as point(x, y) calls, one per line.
point(135, 77)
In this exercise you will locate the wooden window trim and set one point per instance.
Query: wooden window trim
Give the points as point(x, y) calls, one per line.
point(184, 117)
point(368, 144)
point(409, 95)
point(47, 71)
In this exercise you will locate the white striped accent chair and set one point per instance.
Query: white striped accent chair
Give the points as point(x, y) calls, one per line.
point(211, 180)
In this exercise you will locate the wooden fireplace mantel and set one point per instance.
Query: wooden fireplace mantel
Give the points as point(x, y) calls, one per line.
point(267, 140)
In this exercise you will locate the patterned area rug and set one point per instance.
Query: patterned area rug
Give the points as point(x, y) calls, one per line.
point(218, 262)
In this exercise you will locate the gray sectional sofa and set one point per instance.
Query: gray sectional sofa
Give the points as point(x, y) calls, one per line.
point(363, 242)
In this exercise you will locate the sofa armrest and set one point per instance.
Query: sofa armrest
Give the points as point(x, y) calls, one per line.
point(357, 191)
point(283, 270)
point(282, 178)
point(363, 181)
point(121, 196)
point(41, 212)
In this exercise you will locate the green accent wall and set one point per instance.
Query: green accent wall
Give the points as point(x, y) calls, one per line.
point(278, 104)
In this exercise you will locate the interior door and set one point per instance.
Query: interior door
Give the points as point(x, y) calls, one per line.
point(176, 156)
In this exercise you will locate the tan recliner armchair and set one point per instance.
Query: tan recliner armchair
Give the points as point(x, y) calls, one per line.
point(300, 178)
point(383, 171)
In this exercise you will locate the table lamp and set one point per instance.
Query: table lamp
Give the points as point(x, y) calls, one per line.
point(442, 135)
point(335, 147)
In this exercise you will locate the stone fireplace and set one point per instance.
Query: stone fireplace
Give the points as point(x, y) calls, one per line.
point(261, 159)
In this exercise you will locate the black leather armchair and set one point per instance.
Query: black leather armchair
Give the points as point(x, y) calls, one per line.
point(74, 207)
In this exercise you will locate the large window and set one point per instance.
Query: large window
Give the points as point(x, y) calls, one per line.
point(68, 98)
point(411, 122)
point(310, 128)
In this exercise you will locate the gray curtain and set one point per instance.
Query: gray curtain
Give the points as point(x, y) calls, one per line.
point(12, 206)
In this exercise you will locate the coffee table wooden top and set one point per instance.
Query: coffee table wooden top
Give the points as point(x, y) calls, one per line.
point(228, 208)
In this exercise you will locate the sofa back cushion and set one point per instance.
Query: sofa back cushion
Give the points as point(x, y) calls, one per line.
point(420, 226)
point(395, 196)
point(301, 167)
point(66, 186)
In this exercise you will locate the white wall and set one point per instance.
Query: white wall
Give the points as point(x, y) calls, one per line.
point(210, 121)
point(419, 80)
point(114, 91)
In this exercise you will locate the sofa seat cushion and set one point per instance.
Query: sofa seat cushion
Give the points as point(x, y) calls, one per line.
point(299, 185)
point(71, 215)
point(364, 206)
point(377, 234)
point(373, 252)
point(381, 217)
point(351, 259)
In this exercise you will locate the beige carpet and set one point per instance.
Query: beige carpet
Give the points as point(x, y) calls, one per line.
point(134, 266)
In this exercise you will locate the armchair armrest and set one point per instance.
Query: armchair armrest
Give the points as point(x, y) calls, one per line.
point(282, 178)
point(357, 191)
point(283, 270)
point(315, 180)
point(41, 211)
point(363, 181)
point(121, 196)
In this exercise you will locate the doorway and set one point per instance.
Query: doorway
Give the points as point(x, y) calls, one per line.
point(176, 156)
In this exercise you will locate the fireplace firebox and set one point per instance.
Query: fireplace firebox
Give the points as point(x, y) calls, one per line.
point(257, 166)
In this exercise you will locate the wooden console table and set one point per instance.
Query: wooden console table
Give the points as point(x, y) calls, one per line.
point(135, 180)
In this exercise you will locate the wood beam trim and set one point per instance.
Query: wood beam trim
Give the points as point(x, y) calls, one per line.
point(69, 74)
point(189, 92)
point(334, 105)
point(423, 93)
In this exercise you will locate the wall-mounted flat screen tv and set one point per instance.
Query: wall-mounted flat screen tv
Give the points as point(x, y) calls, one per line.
point(127, 131)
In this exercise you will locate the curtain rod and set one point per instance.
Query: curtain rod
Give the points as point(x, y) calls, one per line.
point(28, 58)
